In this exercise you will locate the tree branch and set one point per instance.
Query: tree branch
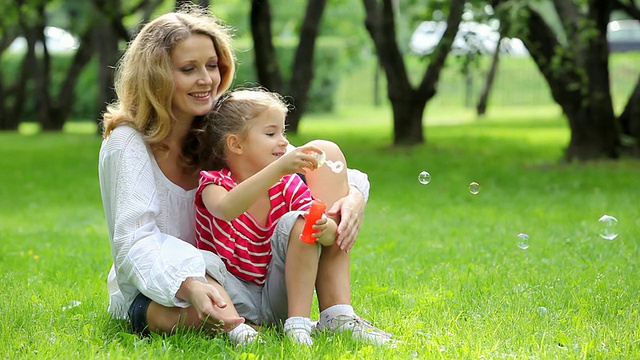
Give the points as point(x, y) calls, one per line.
point(432, 74)
point(631, 9)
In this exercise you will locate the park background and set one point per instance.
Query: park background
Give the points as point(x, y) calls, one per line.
point(440, 267)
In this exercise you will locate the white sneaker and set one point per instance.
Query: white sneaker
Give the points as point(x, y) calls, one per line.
point(299, 329)
point(360, 329)
point(244, 335)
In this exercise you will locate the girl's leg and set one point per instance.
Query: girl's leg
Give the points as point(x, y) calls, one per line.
point(301, 268)
point(323, 182)
point(333, 283)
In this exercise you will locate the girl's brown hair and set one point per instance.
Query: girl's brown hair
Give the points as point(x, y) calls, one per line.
point(232, 114)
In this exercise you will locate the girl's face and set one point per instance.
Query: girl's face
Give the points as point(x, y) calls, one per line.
point(196, 77)
point(265, 139)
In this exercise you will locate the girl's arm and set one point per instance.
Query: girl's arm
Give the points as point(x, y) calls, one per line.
point(228, 205)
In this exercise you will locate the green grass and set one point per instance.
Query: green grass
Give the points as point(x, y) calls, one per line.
point(437, 266)
point(518, 82)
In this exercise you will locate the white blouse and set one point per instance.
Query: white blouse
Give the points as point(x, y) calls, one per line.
point(151, 224)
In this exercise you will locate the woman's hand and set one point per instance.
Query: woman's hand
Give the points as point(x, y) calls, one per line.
point(209, 304)
point(351, 211)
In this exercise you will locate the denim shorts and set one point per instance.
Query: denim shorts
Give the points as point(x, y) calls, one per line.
point(138, 314)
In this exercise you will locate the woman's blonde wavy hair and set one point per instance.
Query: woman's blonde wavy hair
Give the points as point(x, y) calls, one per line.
point(143, 81)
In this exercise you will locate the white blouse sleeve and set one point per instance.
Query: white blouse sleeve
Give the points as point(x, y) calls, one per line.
point(145, 259)
point(360, 180)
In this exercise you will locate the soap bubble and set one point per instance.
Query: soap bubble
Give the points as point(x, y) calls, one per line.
point(474, 188)
point(523, 241)
point(608, 227)
point(424, 178)
point(542, 311)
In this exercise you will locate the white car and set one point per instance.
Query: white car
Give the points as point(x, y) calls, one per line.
point(472, 38)
point(623, 35)
point(57, 39)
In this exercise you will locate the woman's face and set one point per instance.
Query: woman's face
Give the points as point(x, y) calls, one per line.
point(196, 76)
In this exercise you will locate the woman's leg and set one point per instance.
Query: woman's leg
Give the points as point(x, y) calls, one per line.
point(165, 320)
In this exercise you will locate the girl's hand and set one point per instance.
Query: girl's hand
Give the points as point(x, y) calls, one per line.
point(300, 159)
point(350, 209)
point(325, 231)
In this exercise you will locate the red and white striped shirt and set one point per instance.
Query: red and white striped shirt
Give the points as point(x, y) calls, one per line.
point(243, 244)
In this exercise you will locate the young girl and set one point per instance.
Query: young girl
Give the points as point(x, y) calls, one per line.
point(250, 213)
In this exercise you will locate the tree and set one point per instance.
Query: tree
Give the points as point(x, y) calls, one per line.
point(52, 108)
point(481, 106)
point(180, 3)
point(11, 95)
point(110, 30)
point(630, 117)
point(574, 62)
point(8, 32)
point(408, 102)
point(266, 61)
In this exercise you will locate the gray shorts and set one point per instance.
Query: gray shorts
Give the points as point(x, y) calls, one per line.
point(260, 305)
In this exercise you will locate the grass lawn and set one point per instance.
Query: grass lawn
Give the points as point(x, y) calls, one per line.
point(436, 265)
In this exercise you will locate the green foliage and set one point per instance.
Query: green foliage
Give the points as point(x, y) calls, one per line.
point(330, 60)
point(435, 265)
point(84, 106)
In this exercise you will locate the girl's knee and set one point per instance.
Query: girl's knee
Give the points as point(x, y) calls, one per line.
point(330, 148)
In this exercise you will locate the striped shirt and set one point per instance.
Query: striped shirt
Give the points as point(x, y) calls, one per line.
point(242, 243)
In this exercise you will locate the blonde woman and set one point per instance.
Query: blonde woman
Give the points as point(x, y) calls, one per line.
point(169, 76)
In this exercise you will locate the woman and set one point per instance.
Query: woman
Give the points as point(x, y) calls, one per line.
point(168, 77)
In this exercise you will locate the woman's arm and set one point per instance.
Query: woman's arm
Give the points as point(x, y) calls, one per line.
point(145, 259)
point(360, 181)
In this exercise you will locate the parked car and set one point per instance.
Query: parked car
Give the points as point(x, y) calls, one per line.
point(471, 38)
point(57, 40)
point(623, 35)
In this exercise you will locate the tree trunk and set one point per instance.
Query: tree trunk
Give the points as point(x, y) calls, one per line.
point(18, 91)
point(107, 48)
point(33, 30)
point(581, 91)
point(481, 107)
point(266, 59)
point(596, 136)
point(630, 121)
point(407, 103)
point(407, 119)
point(61, 106)
point(302, 74)
point(6, 122)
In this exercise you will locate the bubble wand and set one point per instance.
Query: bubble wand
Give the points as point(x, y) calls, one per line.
point(335, 166)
